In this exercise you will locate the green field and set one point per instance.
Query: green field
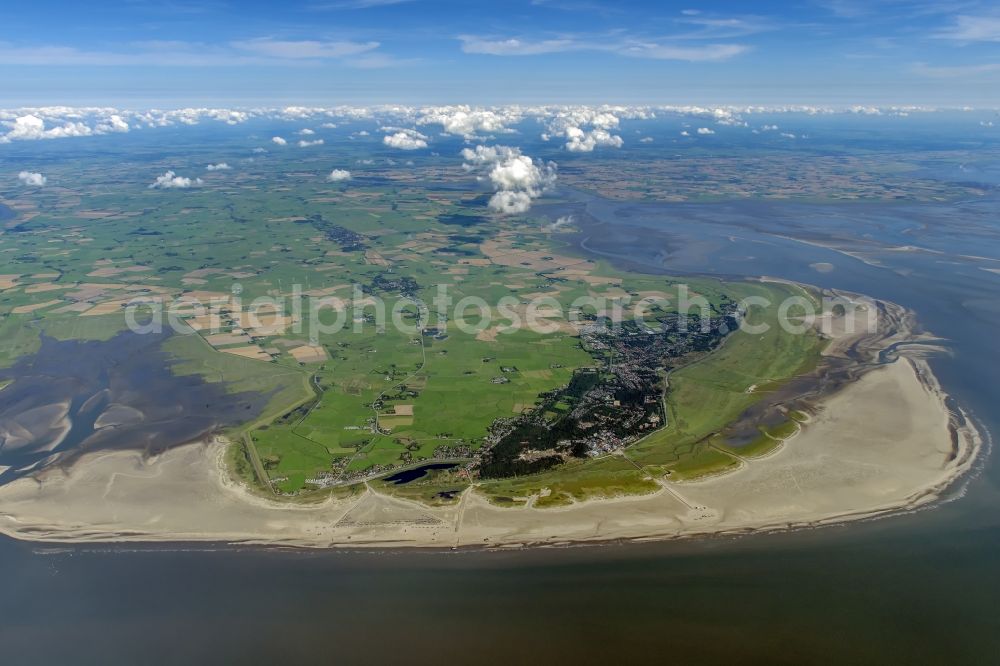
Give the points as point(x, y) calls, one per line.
point(358, 402)
point(709, 394)
point(702, 398)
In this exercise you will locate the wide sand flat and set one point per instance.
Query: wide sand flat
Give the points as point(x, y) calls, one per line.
point(884, 443)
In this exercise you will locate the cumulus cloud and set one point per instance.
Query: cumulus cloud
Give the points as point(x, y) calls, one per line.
point(705, 130)
point(279, 140)
point(306, 144)
point(510, 203)
point(520, 173)
point(405, 139)
point(579, 141)
point(170, 181)
point(32, 127)
point(467, 122)
point(487, 155)
point(338, 175)
point(306, 132)
point(56, 122)
point(559, 119)
point(32, 179)
point(559, 222)
point(516, 178)
point(646, 139)
point(471, 123)
point(721, 115)
point(572, 123)
point(114, 123)
point(221, 166)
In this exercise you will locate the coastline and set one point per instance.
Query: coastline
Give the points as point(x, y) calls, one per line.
point(884, 442)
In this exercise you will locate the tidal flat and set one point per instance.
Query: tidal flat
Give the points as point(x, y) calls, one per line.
point(77, 397)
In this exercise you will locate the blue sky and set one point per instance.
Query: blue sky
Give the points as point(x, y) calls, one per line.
point(178, 52)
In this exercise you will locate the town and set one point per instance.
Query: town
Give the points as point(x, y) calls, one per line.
point(612, 404)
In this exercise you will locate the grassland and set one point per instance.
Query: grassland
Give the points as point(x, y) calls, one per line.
point(701, 400)
point(707, 395)
point(580, 480)
point(366, 398)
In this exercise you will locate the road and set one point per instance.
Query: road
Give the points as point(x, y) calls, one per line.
point(258, 466)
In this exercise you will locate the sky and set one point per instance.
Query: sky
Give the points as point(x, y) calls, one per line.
point(175, 53)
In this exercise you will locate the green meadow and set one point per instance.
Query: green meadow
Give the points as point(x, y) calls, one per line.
point(364, 399)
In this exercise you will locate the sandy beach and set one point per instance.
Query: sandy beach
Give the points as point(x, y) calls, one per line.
point(886, 442)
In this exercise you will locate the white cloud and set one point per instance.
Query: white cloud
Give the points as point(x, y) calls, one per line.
point(175, 53)
point(705, 130)
point(516, 178)
point(338, 175)
point(221, 166)
point(26, 127)
point(472, 123)
point(510, 203)
point(468, 122)
point(279, 140)
point(516, 47)
point(30, 126)
point(114, 123)
point(170, 180)
point(579, 141)
point(359, 4)
point(299, 50)
point(973, 29)
point(560, 222)
point(307, 144)
point(708, 27)
point(306, 132)
point(624, 46)
point(570, 122)
point(685, 133)
point(487, 155)
point(405, 140)
point(228, 116)
point(989, 68)
point(704, 53)
point(32, 179)
point(646, 139)
point(522, 174)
